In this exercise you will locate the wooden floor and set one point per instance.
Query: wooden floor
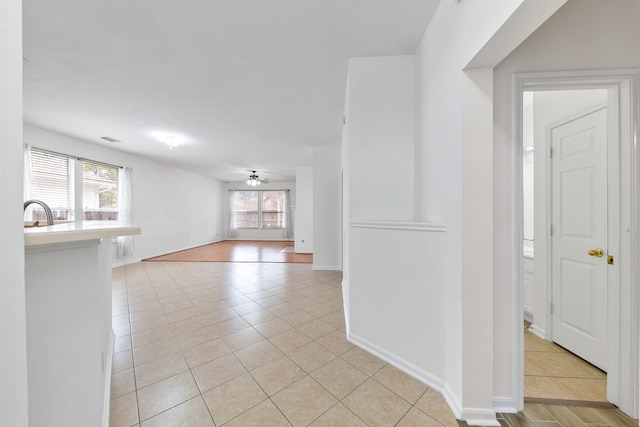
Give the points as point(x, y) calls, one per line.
point(566, 415)
point(239, 251)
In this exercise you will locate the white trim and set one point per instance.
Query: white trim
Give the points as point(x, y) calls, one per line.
point(517, 246)
point(408, 368)
point(345, 304)
point(538, 331)
point(505, 405)
point(122, 263)
point(628, 352)
point(326, 268)
point(240, 239)
point(185, 248)
point(452, 400)
point(400, 225)
point(107, 384)
point(479, 417)
point(614, 211)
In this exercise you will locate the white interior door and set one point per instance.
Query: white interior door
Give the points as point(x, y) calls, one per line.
point(579, 218)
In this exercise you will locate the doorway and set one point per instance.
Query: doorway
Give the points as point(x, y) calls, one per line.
point(561, 293)
point(566, 357)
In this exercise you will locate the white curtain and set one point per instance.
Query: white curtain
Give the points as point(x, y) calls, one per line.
point(27, 174)
point(287, 230)
point(233, 225)
point(125, 213)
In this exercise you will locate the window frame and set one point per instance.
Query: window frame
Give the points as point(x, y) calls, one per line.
point(111, 213)
point(76, 179)
point(260, 211)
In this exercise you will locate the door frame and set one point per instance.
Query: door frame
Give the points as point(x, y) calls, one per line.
point(622, 388)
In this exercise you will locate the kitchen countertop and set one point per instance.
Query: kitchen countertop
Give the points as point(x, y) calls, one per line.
point(76, 231)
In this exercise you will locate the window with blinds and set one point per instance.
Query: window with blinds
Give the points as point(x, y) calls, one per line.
point(51, 183)
point(99, 191)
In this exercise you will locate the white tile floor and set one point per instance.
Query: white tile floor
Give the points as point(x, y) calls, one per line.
point(241, 344)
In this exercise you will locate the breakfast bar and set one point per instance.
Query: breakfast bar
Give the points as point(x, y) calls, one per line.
point(69, 332)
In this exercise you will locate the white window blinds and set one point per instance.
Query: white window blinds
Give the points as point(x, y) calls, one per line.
point(50, 181)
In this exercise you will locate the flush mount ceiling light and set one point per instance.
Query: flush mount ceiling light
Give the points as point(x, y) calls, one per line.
point(170, 140)
point(253, 180)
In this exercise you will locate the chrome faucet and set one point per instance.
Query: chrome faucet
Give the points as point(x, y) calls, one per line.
point(47, 209)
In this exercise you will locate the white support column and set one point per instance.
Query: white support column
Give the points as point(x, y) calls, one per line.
point(477, 247)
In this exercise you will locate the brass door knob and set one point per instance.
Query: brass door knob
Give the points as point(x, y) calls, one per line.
point(596, 252)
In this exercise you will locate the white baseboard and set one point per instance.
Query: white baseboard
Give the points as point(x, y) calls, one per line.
point(345, 304)
point(181, 249)
point(108, 366)
point(244, 239)
point(479, 417)
point(528, 317)
point(476, 417)
point(505, 405)
point(536, 330)
point(327, 267)
point(408, 368)
point(122, 263)
point(452, 400)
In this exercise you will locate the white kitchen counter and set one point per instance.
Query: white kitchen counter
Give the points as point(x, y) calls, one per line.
point(69, 333)
point(76, 232)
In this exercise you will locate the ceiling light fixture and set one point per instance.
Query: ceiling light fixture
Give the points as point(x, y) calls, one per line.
point(253, 180)
point(170, 140)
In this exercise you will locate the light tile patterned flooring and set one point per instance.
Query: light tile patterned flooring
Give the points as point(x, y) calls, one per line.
point(213, 344)
point(554, 373)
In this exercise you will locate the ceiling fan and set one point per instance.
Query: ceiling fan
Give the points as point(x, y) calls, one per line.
point(254, 180)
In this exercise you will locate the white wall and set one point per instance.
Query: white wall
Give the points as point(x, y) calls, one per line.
point(451, 105)
point(381, 123)
point(13, 353)
point(175, 209)
point(256, 234)
point(582, 35)
point(304, 210)
point(393, 282)
point(327, 208)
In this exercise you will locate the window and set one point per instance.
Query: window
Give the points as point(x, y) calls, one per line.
point(99, 191)
point(260, 209)
point(52, 181)
point(272, 209)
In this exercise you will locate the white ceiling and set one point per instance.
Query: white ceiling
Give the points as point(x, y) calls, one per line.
point(249, 84)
